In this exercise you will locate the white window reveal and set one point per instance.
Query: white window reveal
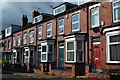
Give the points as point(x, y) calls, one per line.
point(44, 54)
point(49, 29)
point(113, 47)
point(59, 10)
point(75, 49)
point(24, 38)
point(116, 11)
point(75, 22)
point(61, 26)
point(19, 40)
point(32, 36)
point(95, 17)
point(37, 19)
point(39, 32)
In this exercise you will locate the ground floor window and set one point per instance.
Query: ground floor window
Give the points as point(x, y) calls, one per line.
point(113, 48)
point(26, 57)
point(47, 53)
point(75, 51)
point(16, 58)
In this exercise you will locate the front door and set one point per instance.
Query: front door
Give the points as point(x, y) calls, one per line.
point(61, 57)
point(96, 55)
point(39, 57)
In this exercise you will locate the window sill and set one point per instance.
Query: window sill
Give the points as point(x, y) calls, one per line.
point(73, 62)
point(61, 34)
point(95, 27)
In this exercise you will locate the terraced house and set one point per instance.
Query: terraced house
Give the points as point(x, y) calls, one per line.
point(76, 40)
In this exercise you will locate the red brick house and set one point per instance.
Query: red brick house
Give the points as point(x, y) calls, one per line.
point(76, 40)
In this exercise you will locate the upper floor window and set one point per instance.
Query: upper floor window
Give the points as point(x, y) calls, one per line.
point(116, 11)
point(37, 19)
point(31, 36)
point(75, 22)
point(61, 26)
point(14, 41)
point(59, 9)
point(8, 31)
point(49, 29)
point(24, 38)
point(19, 40)
point(113, 48)
point(95, 17)
point(39, 32)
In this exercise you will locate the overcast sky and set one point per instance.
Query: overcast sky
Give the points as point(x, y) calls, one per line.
point(11, 12)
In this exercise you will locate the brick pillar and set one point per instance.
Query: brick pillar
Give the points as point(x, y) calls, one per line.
point(50, 67)
point(73, 70)
point(42, 70)
point(87, 71)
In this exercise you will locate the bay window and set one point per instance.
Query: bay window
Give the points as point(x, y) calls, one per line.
point(31, 36)
point(26, 57)
point(19, 40)
point(116, 11)
point(61, 26)
point(75, 22)
point(95, 17)
point(40, 32)
point(49, 29)
point(113, 48)
point(24, 38)
point(75, 50)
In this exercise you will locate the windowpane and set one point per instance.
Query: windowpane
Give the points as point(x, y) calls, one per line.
point(75, 18)
point(48, 33)
point(50, 48)
point(43, 48)
point(59, 10)
point(79, 56)
point(79, 45)
point(26, 54)
point(61, 30)
point(115, 52)
point(49, 29)
point(61, 21)
point(116, 4)
point(70, 56)
point(43, 56)
point(50, 56)
point(117, 13)
point(75, 26)
point(115, 38)
point(70, 46)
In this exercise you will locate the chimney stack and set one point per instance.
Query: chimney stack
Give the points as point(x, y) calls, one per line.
point(24, 20)
point(35, 13)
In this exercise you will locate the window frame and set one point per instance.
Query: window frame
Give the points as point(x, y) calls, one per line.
point(9, 44)
point(58, 8)
point(113, 10)
point(95, 14)
point(6, 31)
point(76, 22)
point(31, 37)
point(14, 41)
point(25, 38)
point(37, 17)
point(44, 53)
point(40, 33)
point(61, 26)
point(108, 35)
point(19, 40)
point(50, 23)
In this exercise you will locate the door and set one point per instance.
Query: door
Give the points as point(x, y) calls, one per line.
point(39, 57)
point(96, 55)
point(61, 57)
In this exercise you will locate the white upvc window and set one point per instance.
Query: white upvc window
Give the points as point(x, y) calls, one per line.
point(75, 22)
point(32, 36)
point(8, 31)
point(24, 38)
point(14, 57)
point(37, 19)
point(26, 57)
point(44, 54)
point(47, 53)
point(95, 17)
point(113, 47)
point(116, 11)
point(14, 41)
point(61, 26)
point(49, 29)
point(59, 9)
point(39, 32)
point(74, 51)
point(19, 40)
